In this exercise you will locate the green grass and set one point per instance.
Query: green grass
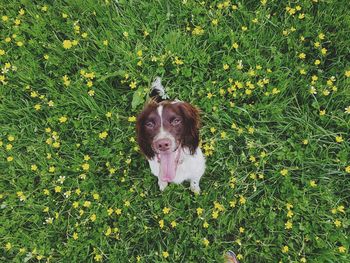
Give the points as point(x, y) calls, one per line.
point(255, 123)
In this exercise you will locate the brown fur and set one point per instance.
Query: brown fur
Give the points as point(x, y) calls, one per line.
point(186, 132)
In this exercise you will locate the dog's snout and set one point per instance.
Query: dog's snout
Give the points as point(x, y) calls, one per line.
point(162, 144)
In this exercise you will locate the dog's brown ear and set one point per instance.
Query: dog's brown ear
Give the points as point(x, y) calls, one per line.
point(191, 122)
point(142, 138)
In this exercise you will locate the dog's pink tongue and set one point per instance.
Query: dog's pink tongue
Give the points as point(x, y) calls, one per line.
point(167, 166)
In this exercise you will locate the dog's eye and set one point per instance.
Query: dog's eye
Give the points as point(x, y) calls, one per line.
point(175, 121)
point(149, 124)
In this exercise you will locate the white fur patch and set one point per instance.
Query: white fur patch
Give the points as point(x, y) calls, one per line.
point(162, 133)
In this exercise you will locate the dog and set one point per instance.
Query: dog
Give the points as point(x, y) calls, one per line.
point(168, 135)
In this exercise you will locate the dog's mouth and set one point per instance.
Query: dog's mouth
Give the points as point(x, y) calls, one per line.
point(168, 161)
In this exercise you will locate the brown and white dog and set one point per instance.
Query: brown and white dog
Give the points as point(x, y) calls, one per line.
point(168, 135)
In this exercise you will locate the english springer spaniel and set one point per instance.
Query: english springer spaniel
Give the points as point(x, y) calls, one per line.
point(168, 135)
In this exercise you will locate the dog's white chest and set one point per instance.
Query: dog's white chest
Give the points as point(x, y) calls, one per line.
point(190, 167)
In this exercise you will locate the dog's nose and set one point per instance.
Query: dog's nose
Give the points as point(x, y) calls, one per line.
point(162, 144)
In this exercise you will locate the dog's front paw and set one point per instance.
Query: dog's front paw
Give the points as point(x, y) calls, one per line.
point(195, 187)
point(162, 185)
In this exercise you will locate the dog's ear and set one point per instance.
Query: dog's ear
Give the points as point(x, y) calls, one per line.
point(142, 139)
point(191, 123)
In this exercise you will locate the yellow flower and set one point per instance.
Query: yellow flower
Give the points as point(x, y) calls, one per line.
point(85, 166)
point(98, 257)
point(302, 56)
point(241, 230)
point(33, 167)
point(132, 84)
point(341, 209)
point(339, 139)
point(91, 93)
point(197, 31)
point(93, 217)
point(337, 223)
point(321, 36)
point(8, 246)
point(161, 223)
point(118, 211)
point(10, 159)
point(63, 119)
point(347, 169)
point(125, 34)
point(235, 45)
point(342, 249)
point(87, 204)
point(103, 135)
point(199, 211)
point(58, 189)
point(108, 231)
point(290, 214)
point(105, 42)
point(84, 35)
point(166, 210)
point(37, 107)
point(288, 225)
point(226, 66)
point(75, 236)
point(173, 224)
point(132, 119)
point(242, 200)
point(233, 203)
point(347, 73)
point(5, 18)
point(322, 112)
point(284, 172)
point(215, 214)
point(205, 224)
point(313, 183)
point(285, 249)
point(223, 135)
point(96, 196)
point(67, 44)
point(215, 22)
point(205, 242)
point(2, 52)
point(165, 254)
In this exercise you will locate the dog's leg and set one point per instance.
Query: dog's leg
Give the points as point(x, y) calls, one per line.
point(195, 186)
point(162, 185)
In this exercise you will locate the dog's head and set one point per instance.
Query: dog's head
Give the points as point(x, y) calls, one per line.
point(164, 127)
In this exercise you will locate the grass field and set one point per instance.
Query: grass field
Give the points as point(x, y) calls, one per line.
point(272, 80)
